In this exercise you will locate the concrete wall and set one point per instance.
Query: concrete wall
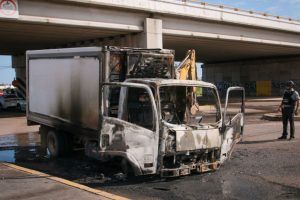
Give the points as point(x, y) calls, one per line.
point(265, 77)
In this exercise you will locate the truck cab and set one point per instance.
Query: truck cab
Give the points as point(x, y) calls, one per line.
point(167, 126)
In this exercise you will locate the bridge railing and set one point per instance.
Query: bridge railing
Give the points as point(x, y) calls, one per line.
point(229, 8)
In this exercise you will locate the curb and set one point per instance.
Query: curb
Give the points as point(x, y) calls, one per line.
point(276, 117)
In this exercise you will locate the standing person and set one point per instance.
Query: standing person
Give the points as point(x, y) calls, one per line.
point(289, 107)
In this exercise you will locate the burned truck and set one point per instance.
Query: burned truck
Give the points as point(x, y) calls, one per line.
point(125, 104)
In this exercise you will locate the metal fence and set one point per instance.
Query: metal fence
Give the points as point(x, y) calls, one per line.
point(229, 8)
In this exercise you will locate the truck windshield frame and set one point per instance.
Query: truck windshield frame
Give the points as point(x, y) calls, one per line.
point(193, 105)
point(123, 95)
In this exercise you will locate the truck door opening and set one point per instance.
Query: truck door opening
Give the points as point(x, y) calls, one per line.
point(135, 107)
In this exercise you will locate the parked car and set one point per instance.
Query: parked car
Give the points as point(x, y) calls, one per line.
point(21, 105)
point(8, 101)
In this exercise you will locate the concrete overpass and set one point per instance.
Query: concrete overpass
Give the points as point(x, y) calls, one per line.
point(221, 35)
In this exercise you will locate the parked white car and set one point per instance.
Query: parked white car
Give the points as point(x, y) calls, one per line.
point(21, 105)
point(8, 101)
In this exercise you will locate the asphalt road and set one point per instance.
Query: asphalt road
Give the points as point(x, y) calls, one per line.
point(261, 167)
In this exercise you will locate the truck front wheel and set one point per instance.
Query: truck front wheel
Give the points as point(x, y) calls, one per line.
point(55, 143)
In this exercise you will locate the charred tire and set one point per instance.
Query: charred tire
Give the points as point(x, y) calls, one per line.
point(43, 136)
point(55, 144)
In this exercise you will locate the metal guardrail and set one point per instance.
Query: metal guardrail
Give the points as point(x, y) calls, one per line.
point(229, 8)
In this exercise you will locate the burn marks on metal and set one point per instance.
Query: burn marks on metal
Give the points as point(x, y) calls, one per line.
point(140, 63)
point(148, 65)
point(113, 136)
point(191, 140)
point(185, 141)
point(135, 143)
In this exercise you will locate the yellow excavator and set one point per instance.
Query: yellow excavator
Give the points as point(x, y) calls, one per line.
point(187, 68)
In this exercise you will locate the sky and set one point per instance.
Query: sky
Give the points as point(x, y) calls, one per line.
point(285, 8)
point(7, 74)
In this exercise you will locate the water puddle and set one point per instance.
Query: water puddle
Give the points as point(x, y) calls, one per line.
point(26, 139)
point(25, 151)
point(21, 147)
point(7, 155)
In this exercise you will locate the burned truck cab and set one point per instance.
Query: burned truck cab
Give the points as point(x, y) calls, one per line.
point(126, 104)
point(192, 132)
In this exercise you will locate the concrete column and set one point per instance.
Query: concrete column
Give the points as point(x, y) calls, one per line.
point(152, 35)
point(19, 64)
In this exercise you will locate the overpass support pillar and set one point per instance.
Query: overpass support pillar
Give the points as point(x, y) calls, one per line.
point(19, 64)
point(152, 35)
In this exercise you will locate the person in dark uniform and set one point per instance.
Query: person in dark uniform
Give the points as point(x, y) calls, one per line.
point(289, 107)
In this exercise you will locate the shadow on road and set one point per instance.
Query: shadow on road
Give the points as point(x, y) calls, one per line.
point(259, 141)
point(10, 113)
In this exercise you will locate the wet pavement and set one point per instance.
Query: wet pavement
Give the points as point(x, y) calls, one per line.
point(12, 122)
point(20, 147)
point(261, 167)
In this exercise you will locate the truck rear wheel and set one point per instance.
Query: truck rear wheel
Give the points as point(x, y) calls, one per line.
point(55, 143)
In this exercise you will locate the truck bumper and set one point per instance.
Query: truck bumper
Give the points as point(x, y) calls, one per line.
point(188, 169)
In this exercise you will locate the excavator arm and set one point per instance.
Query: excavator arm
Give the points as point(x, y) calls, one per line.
point(187, 71)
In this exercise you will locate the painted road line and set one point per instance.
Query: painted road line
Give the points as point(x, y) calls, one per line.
point(66, 182)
